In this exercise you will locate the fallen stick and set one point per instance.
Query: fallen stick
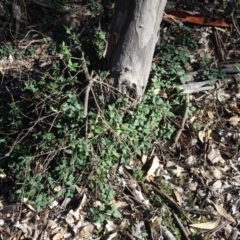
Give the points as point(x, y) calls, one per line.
point(183, 121)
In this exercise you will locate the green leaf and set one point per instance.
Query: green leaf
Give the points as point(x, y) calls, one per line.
point(68, 151)
point(117, 214)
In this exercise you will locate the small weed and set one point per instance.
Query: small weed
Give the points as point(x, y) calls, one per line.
point(183, 37)
point(95, 45)
point(167, 219)
point(205, 62)
point(103, 213)
point(238, 142)
point(191, 109)
point(237, 64)
point(169, 222)
point(173, 59)
point(156, 199)
point(213, 74)
point(99, 42)
point(167, 188)
point(138, 174)
point(197, 127)
point(94, 5)
point(5, 50)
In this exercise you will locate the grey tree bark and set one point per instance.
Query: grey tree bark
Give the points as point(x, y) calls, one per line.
point(134, 33)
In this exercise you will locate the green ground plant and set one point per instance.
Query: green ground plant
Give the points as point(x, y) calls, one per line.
point(138, 174)
point(182, 36)
point(57, 146)
point(173, 59)
point(94, 5)
point(167, 219)
point(49, 146)
point(213, 74)
point(169, 222)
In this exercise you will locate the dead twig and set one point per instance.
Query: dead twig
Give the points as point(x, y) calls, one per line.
point(215, 230)
point(234, 23)
point(183, 120)
point(24, 135)
point(13, 146)
point(5, 232)
point(130, 236)
point(86, 100)
point(220, 45)
point(193, 87)
point(166, 233)
point(31, 42)
point(89, 87)
point(182, 228)
point(170, 200)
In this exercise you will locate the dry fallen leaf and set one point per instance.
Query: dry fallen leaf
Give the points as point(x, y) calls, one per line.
point(24, 227)
point(192, 185)
point(30, 207)
point(136, 191)
point(206, 225)
point(156, 91)
point(144, 159)
point(214, 155)
point(57, 188)
point(160, 92)
point(120, 204)
point(205, 134)
point(216, 185)
point(10, 58)
point(201, 135)
point(234, 108)
point(53, 204)
point(224, 213)
point(191, 160)
point(110, 227)
point(97, 204)
point(153, 168)
point(234, 120)
point(69, 219)
point(156, 227)
point(59, 235)
point(86, 232)
point(178, 195)
point(176, 170)
point(194, 18)
point(210, 114)
point(53, 226)
point(112, 236)
point(213, 174)
point(227, 231)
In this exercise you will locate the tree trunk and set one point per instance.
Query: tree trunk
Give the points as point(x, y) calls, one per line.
point(134, 33)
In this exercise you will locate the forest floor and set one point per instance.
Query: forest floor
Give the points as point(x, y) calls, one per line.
point(168, 169)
